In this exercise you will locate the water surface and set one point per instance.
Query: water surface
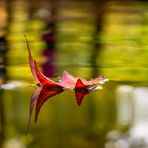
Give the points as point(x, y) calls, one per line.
point(72, 40)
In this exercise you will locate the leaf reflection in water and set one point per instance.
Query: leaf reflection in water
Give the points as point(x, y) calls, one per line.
point(48, 88)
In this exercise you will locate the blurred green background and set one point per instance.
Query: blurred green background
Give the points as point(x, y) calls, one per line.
point(86, 38)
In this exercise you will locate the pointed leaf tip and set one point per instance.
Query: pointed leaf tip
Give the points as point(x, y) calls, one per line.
point(31, 61)
point(32, 103)
point(79, 83)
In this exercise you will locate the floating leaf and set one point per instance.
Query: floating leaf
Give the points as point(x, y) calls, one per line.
point(48, 88)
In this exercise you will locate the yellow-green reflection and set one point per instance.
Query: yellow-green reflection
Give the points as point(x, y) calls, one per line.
point(111, 117)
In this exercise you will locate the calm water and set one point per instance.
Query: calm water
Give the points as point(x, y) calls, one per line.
point(87, 42)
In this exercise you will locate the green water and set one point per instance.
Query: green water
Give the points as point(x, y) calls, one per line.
point(114, 117)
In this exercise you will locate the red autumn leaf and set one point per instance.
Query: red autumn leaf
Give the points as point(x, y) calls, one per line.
point(48, 88)
point(81, 86)
point(68, 81)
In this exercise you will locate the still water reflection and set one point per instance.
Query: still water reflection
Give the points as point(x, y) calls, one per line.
point(113, 117)
point(85, 41)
